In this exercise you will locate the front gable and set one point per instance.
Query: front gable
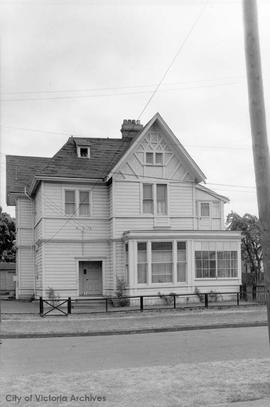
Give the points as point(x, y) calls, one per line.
point(157, 153)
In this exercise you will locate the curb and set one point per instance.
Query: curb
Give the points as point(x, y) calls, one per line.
point(133, 331)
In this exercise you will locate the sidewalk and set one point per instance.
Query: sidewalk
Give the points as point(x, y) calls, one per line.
point(31, 325)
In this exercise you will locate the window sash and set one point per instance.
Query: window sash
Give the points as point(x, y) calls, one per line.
point(181, 262)
point(162, 262)
point(77, 203)
point(149, 158)
point(84, 203)
point(162, 199)
point(216, 264)
point(142, 264)
point(205, 209)
point(148, 202)
point(70, 202)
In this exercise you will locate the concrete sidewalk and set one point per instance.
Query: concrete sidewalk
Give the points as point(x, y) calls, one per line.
point(27, 325)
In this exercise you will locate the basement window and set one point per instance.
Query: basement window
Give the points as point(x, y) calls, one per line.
point(83, 152)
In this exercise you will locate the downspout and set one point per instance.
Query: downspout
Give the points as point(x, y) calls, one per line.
point(34, 252)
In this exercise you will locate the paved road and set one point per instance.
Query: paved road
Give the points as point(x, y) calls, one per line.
point(30, 356)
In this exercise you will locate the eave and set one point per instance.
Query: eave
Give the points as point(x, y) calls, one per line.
point(37, 179)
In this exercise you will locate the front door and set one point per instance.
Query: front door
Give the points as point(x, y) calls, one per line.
point(90, 278)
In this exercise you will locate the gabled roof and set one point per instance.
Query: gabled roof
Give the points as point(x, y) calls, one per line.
point(198, 174)
point(105, 153)
point(26, 172)
point(106, 156)
point(213, 193)
point(19, 174)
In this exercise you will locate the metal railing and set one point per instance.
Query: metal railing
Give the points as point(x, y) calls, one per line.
point(67, 306)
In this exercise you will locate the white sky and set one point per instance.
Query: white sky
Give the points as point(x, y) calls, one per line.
point(79, 67)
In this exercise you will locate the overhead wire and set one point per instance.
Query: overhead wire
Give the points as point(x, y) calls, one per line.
point(174, 59)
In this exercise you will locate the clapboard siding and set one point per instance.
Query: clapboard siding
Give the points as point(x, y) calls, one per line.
point(126, 198)
point(120, 260)
point(180, 200)
point(38, 231)
point(140, 223)
point(54, 199)
point(38, 268)
point(38, 204)
point(24, 237)
point(61, 265)
point(26, 269)
point(69, 229)
point(25, 213)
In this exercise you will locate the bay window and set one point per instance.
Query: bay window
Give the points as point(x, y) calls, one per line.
point(181, 262)
point(162, 262)
point(142, 265)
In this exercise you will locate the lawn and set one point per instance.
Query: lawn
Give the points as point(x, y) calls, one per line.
point(182, 385)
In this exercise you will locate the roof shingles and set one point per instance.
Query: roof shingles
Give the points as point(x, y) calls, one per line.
point(104, 154)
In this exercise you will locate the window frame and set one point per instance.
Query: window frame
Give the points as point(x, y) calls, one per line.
point(233, 265)
point(155, 212)
point(79, 148)
point(201, 203)
point(76, 213)
point(154, 156)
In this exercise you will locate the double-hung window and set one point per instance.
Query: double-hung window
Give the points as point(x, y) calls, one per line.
point(155, 199)
point(148, 202)
point(70, 202)
point(77, 202)
point(84, 203)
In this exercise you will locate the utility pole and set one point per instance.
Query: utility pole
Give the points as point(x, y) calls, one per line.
point(259, 134)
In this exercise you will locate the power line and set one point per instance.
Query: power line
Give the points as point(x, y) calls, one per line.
point(174, 59)
point(117, 94)
point(121, 87)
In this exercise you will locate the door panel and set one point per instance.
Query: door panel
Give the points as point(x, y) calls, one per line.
point(90, 278)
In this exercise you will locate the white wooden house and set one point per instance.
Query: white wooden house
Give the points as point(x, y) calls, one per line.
point(131, 207)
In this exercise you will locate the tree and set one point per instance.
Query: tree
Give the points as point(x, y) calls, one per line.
point(251, 247)
point(7, 237)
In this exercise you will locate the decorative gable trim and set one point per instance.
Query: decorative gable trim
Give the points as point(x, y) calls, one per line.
point(199, 175)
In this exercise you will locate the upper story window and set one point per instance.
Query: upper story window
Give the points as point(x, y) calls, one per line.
point(155, 199)
point(152, 158)
point(83, 152)
point(77, 202)
point(205, 209)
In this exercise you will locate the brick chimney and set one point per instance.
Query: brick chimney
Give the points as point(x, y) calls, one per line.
point(131, 128)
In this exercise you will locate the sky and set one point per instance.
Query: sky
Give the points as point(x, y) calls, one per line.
point(81, 67)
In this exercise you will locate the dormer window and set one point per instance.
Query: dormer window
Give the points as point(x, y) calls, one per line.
point(83, 152)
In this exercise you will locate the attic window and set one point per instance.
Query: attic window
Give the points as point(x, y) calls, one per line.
point(83, 152)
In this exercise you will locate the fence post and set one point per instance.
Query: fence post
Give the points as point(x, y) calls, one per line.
point(141, 303)
point(244, 292)
point(238, 299)
point(206, 300)
point(174, 302)
point(254, 292)
point(69, 305)
point(41, 309)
